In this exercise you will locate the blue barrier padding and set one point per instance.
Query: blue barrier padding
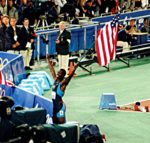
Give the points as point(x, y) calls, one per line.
point(6, 90)
point(42, 102)
point(123, 16)
point(81, 39)
point(74, 42)
point(18, 66)
point(90, 33)
point(77, 41)
point(34, 87)
point(13, 67)
point(45, 84)
point(52, 38)
point(27, 99)
point(7, 72)
point(28, 89)
point(19, 78)
point(43, 73)
point(9, 56)
point(42, 48)
point(30, 81)
point(23, 98)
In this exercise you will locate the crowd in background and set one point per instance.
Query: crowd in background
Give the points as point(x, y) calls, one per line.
point(54, 9)
point(14, 13)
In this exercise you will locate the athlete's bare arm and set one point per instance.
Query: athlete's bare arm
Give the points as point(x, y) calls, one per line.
point(65, 82)
point(51, 67)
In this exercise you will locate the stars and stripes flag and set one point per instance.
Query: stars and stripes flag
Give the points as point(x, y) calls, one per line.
point(106, 40)
point(5, 81)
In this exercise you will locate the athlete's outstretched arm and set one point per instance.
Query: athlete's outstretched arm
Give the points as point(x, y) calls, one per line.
point(65, 82)
point(51, 67)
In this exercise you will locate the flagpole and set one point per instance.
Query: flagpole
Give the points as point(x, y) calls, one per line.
point(85, 53)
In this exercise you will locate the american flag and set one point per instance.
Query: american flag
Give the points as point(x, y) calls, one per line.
point(106, 40)
point(5, 81)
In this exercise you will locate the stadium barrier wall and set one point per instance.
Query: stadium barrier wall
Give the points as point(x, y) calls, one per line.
point(12, 66)
point(82, 35)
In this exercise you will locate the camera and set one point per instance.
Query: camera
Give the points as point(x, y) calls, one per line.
point(35, 133)
point(44, 39)
point(43, 6)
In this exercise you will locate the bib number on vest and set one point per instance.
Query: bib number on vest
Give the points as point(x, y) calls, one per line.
point(53, 95)
point(61, 113)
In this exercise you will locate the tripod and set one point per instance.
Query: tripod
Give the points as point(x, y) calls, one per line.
point(42, 19)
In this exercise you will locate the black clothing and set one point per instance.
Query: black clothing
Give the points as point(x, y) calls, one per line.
point(2, 37)
point(112, 4)
point(97, 7)
point(138, 4)
point(104, 4)
point(30, 14)
point(9, 38)
point(123, 36)
point(69, 8)
point(27, 35)
point(89, 10)
point(81, 10)
point(63, 47)
point(6, 129)
point(143, 29)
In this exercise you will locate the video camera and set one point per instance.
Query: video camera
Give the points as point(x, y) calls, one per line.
point(46, 41)
point(43, 6)
point(36, 133)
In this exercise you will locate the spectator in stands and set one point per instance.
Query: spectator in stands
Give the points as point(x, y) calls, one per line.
point(12, 11)
point(133, 26)
point(30, 13)
point(138, 4)
point(58, 92)
point(62, 46)
point(3, 7)
point(114, 6)
point(104, 6)
point(121, 27)
point(1, 16)
point(53, 12)
point(96, 6)
point(124, 38)
point(27, 43)
point(59, 5)
point(69, 9)
point(5, 21)
point(89, 9)
point(22, 7)
point(130, 4)
point(145, 3)
point(1, 47)
point(144, 27)
point(12, 37)
point(80, 6)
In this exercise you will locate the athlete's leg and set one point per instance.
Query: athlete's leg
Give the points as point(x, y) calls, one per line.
point(55, 120)
point(61, 120)
point(61, 115)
